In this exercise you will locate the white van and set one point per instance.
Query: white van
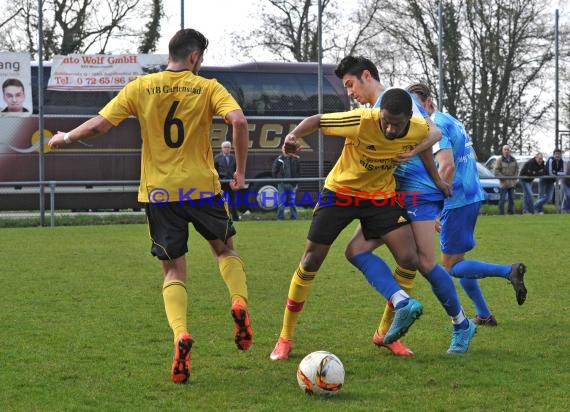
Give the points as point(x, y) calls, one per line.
point(521, 160)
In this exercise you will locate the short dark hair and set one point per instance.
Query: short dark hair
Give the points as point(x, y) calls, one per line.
point(12, 82)
point(184, 42)
point(557, 150)
point(355, 65)
point(421, 90)
point(397, 101)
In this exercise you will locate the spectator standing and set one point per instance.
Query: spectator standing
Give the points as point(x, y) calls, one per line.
point(533, 168)
point(554, 167)
point(225, 164)
point(506, 167)
point(286, 166)
point(565, 186)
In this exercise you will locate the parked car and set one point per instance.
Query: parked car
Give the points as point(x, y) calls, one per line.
point(489, 183)
point(521, 160)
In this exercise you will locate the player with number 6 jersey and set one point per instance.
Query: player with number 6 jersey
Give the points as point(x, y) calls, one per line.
point(175, 109)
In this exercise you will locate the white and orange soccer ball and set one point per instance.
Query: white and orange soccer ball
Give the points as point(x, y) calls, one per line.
point(320, 373)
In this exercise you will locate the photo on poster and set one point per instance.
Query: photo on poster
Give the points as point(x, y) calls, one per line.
point(15, 78)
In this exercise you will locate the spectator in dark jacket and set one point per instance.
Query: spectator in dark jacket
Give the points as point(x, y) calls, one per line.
point(225, 164)
point(554, 167)
point(533, 168)
point(286, 167)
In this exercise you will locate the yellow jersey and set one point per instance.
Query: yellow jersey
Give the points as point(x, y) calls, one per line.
point(365, 164)
point(175, 111)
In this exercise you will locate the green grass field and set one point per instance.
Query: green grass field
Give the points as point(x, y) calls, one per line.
point(83, 326)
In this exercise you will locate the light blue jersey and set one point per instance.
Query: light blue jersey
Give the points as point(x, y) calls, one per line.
point(417, 109)
point(466, 185)
point(412, 176)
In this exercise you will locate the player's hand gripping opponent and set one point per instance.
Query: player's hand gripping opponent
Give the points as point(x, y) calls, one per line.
point(290, 146)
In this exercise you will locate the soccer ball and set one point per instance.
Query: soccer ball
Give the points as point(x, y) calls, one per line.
point(320, 373)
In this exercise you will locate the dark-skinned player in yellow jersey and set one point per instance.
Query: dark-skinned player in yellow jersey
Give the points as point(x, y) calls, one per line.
point(361, 186)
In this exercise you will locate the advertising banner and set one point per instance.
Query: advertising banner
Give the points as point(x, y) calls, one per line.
point(96, 72)
point(15, 78)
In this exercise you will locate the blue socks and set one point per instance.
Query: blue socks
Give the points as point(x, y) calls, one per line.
point(377, 273)
point(475, 269)
point(462, 326)
point(444, 288)
point(472, 289)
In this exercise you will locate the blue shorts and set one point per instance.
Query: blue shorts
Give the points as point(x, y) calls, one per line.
point(424, 209)
point(458, 228)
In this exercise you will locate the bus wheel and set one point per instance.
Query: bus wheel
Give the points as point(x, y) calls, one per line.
point(262, 197)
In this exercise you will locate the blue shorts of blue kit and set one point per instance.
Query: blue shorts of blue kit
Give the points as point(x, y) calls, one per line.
point(458, 228)
point(424, 209)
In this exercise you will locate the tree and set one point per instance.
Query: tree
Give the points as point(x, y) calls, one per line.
point(80, 26)
point(152, 33)
point(288, 30)
point(10, 17)
point(496, 55)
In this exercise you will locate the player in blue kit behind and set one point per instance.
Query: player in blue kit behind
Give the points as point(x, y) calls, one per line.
point(460, 213)
point(360, 78)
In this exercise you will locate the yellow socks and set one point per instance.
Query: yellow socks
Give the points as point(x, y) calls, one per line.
point(301, 285)
point(233, 273)
point(175, 304)
point(405, 279)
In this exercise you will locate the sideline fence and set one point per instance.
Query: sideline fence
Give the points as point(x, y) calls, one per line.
point(76, 187)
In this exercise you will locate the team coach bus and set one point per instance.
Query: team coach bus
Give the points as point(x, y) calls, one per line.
point(275, 97)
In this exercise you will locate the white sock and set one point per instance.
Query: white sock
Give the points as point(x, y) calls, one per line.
point(459, 318)
point(398, 297)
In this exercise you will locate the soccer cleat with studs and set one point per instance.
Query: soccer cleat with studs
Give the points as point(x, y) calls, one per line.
point(181, 361)
point(281, 350)
point(404, 318)
point(461, 338)
point(517, 280)
point(488, 321)
point(397, 347)
point(243, 334)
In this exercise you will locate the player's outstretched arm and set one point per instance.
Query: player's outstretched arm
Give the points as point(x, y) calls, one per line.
point(306, 127)
point(93, 127)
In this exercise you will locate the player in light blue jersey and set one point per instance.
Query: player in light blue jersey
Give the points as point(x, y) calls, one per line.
point(360, 78)
point(460, 213)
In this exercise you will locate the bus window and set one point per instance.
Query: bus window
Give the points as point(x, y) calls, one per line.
point(274, 96)
point(68, 102)
point(278, 94)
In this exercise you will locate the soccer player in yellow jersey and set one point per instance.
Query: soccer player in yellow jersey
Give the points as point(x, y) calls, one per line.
point(360, 186)
point(362, 82)
point(179, 183)
point(360, 77)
